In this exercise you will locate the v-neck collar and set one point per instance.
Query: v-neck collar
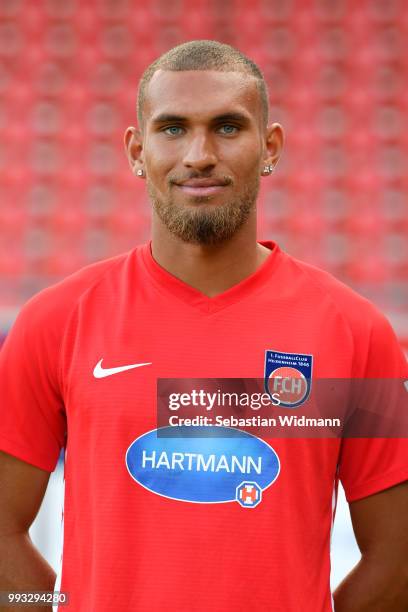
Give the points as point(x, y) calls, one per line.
point(169, 283)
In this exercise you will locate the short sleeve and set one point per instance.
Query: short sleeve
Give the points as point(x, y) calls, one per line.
point(367, 466)
point(32, 416)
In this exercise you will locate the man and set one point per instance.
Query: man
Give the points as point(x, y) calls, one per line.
point(203, 300)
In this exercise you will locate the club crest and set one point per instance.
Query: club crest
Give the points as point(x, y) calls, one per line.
point(289, 375)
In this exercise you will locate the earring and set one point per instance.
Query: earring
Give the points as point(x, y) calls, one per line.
point(140, 172)
point(268, 169)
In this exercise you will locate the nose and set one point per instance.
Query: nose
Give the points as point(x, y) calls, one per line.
point(200, 153)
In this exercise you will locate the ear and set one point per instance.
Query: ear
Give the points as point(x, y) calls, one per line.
point(134, 150)
point(273, 148)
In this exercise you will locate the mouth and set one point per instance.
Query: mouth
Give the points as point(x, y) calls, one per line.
point(201, 191)
point(202, 187)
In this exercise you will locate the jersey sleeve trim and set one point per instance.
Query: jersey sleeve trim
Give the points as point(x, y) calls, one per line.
point(376, 485)
point(44, 462)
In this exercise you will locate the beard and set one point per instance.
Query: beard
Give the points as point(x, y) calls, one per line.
point(201, 224)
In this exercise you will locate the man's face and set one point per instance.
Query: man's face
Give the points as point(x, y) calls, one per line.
point(203, 149)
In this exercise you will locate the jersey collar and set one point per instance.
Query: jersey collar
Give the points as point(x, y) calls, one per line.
point(166, 282)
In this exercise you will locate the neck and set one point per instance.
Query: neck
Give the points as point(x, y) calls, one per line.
point(209, 269)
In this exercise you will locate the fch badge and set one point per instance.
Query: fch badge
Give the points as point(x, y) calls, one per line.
point(289, 375)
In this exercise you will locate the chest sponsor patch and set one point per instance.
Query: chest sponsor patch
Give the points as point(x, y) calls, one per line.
point(225, 465)
point(289, 375)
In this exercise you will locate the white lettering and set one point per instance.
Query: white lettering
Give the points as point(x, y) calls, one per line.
point(177, 458)
point(257, 467)
point(241, 466)
point(190, 460)
point(206, 466)
point(211, 400)
point(199, 462)
point(145, 458)
point(222, 464)
point(163, 460)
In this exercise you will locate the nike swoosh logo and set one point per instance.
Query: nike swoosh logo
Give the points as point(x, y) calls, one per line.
point(100, 372)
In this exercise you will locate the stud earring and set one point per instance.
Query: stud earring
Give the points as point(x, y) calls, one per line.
point(140, 172)
point(268, 169)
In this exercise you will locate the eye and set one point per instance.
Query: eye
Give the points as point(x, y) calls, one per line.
point(228, 129)
point(173, 130)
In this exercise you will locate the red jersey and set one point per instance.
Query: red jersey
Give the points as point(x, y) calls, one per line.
point(79, 369)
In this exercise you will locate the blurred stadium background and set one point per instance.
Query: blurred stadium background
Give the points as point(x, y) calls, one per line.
point(337, 72)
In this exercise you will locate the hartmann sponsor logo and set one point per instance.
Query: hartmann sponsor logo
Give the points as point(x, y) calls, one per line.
point(207, 469)
point(200, 462)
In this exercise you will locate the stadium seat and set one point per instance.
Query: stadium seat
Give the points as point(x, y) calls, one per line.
point(336, 73)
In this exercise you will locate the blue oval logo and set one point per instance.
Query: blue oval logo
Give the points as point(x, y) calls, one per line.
point(213, 468)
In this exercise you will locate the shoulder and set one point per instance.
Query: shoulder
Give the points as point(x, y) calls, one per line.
point(52, 306)
point(375, 345)
point(321, 285)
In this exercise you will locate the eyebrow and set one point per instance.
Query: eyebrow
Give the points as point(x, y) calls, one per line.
point(168, 118)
